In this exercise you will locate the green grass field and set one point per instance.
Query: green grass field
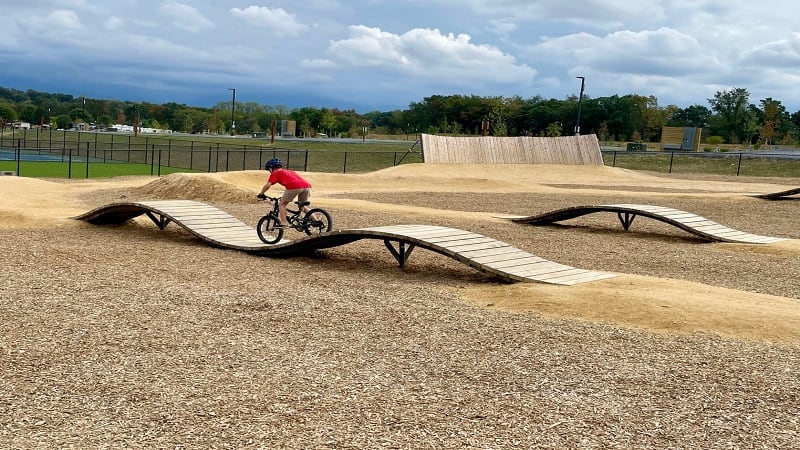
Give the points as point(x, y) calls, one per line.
point(749, 165)
point(47, 169)
point(360, 162)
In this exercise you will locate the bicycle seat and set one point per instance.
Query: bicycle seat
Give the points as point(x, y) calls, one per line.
point(301, 204)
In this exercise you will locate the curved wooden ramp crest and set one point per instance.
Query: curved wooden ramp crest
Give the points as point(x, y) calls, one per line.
point(692, 223)
point(222, 230)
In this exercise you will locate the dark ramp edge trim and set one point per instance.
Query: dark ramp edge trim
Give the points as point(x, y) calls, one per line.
point(780, 195)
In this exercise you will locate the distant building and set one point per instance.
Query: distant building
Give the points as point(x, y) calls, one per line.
point(120, 128)
point(288, 128)
point(681, 138)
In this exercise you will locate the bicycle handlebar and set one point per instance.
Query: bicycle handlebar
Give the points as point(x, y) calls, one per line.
point(267, 197)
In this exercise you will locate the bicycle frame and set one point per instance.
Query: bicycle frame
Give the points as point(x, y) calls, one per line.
point(292, 216)
point(315, 221)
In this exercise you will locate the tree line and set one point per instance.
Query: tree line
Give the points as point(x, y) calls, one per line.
point(729, 118)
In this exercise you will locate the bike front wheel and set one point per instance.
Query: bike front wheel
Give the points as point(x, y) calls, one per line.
point(267, 231)
point(317, 221)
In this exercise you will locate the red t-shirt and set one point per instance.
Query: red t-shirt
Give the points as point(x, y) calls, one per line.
point(289, 179)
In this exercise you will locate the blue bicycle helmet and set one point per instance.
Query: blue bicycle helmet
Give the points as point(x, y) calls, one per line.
point(273, 163)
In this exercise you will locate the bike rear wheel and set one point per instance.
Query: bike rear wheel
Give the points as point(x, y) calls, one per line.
point(317, 221)
point(267, 232)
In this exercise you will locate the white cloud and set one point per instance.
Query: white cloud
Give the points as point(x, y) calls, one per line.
point(429, 54)
point(369, 47)
point(63, 19)
point(597, 13)
point(185, 17)
point(113, 23)
point(659, 52)
point(783, 53)
point(502, 27)
point(395, 52)
point(274, 20)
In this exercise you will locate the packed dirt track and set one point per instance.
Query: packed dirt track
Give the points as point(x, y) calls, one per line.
point(131, 336)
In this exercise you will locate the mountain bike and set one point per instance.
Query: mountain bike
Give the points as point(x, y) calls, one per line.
point(315, 221)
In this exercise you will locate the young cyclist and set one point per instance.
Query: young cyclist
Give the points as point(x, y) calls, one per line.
point(294, 185)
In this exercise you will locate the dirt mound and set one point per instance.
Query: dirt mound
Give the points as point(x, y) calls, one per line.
point(199, 187)
point(527, 173)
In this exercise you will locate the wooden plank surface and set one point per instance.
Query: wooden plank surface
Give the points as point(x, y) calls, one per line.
point(584, 149)
point(218, 228)
point(690, 222)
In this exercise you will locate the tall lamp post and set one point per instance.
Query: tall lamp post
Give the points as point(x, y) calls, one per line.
point(233, 111)
point(580, 99)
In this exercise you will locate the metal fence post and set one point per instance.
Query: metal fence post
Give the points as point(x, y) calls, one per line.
point(739, 166)
point(152, 158)
point(87, 159)
point(18, 156)
point(671, 156)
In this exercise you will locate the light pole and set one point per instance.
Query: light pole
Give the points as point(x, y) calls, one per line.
point(233, 111)
point(580, 99)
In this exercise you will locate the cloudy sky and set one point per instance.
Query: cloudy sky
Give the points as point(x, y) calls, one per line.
point(384, 54)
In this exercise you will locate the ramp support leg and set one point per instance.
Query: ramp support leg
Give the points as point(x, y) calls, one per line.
point(160, 221)
point(626, 219)
point(401, 253)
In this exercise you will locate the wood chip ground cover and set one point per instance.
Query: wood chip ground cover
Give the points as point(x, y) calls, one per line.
point(128, 336)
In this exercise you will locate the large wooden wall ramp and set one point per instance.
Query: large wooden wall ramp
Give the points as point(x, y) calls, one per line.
point(572, 150)
point(692, 223)
point(220, 229)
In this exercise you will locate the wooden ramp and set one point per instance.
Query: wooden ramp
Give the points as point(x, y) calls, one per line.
point(781, 195)
point(584, 149)
point(697, 225)
point(222, 230)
